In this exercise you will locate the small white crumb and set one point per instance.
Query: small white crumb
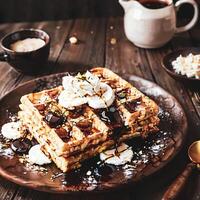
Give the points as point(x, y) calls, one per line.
point(88, 173)
point(92, 32)
point(57, 27)
point(111, 27)
point(113, 41)
point(73, 40)
point(99, 162)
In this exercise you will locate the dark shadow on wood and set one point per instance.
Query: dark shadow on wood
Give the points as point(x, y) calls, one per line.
point(37, 10)
point(51, 67)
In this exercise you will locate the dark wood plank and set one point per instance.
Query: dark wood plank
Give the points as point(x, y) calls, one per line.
point(189, 39)
point(58, 31)
point(195, 40)
point(25, 194)
point(191, 91)
point(123, 57)
point(7, 189)
point(184, 40)
point(65, 56)
point(174, 87)
point(90, 49)
point(180, 92)
point(194, 33)
point(9, 77)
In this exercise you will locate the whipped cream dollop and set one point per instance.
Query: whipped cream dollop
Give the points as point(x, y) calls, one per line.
point(86, 88)
point(12, 130)
point(120, 156)
point(36, 156)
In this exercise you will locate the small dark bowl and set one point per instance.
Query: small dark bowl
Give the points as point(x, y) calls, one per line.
point(31, 62)
point(167, 65)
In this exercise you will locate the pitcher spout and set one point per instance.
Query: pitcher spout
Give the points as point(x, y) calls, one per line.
point(128, 4)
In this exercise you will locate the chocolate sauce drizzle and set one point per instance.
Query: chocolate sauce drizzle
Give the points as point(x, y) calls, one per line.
point(85, 126)
point(112, 118)
point(131, 106)
point(21, 145)
point(63, 133)
point(54, 119)
point(77, 112)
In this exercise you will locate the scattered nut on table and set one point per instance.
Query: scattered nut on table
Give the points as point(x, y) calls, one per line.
point(73, 40)
point(113, 41)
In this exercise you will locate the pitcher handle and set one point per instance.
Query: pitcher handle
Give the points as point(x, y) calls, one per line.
point(193, 20)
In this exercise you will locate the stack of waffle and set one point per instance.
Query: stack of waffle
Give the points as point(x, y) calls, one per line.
point(70, 136)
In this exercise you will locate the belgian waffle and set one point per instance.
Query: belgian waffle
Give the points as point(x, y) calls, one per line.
point(72, 161)
point(84, 132)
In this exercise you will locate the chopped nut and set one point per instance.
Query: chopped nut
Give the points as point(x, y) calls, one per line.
point(113, 41)
point(73, 40)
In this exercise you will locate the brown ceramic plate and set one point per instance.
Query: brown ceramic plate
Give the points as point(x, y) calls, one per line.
point(167, 65)
point(150, 155)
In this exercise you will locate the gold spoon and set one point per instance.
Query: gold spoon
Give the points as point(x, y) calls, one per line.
point(175, 188)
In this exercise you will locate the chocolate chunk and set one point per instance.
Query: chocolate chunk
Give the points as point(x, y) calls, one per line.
point(76, 113)
point(40, 107)
point(131, 106)
point(63, 133)
point(111, 116)
point(54, 120)
point(21, 145)
point(85, 126)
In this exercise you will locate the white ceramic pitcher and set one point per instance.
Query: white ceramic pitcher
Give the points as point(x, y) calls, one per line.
point(152, 28)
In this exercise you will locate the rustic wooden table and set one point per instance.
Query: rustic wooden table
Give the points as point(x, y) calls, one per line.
point(95, 49)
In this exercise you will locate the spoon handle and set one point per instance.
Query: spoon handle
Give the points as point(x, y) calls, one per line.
point(176, 187)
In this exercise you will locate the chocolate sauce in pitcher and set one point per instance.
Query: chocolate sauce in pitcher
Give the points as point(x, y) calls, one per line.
point(154, 4)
